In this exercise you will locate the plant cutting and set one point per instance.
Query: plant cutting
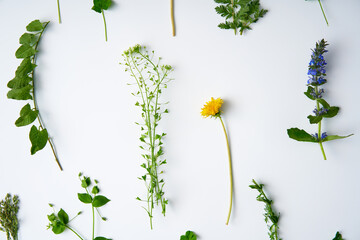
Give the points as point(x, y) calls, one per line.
point(239, 14)
point(9, 223)
point(212, 109)
point(60, 221)
point(317, 74)
point(23, 87)
point(99, 7)
point(150, 79)
point(323, 12)
point(189, 235)
point(271, 218)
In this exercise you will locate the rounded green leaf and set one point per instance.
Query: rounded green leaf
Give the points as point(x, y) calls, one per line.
point(57, 227)
point(24, 51)
point(19, 82)
point(95, 190)
point(28, 38)
point(21, 93)
point(102, 238)
point(100, 201)
point(38, 139)
point(27, 116)
point(63, 216)
point(85, 198)
point(35, 26)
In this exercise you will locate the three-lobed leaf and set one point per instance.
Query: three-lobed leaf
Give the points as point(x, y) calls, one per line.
point(27, 116)
point(189, 235)
point(38, 139)
point(100, 201)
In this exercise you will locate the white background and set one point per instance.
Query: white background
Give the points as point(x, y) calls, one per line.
point(89, 112)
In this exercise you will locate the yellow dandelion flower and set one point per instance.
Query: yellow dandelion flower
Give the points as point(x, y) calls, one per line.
point(212, 108)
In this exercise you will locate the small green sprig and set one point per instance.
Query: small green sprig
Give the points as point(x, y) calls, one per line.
point(189, 235)
point(23, 87)
point(151, 79)
point(9, 208)
point(338, 236)
point(239, 14)
point(271, 218)
point(59, 221)
point(99, 7)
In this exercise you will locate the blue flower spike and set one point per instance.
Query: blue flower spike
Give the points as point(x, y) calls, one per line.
point(317, 77)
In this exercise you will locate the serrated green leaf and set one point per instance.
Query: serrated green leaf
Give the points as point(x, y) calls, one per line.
point(300, 135)
point(314, 119)
point(24, 51)
point(38, 139)
point(334, 137)
point(28, 38)
point(100, 201)
point(333, 111)
point(189, 235)
point(35, 26)
point(63, 216)
point(85, 198)
point(27, 116)
point(21, 93)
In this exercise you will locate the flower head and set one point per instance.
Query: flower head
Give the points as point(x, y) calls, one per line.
point(212, 108)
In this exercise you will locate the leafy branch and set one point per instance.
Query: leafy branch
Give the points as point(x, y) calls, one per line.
point(9, 222)
point(239, 14)
point(317, 74)
point(271, 218)
point(59, 221)
point(99, 7)
point(23, 87)
point(150, 80)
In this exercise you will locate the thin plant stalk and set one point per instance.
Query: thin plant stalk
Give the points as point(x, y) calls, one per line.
point(230, 171)
point(58, 9)
point(74, 232)
point(42, 126)
point(172, 17)
point(233, 15)
point(319, 125)
point(103, 15)
point(323, 12)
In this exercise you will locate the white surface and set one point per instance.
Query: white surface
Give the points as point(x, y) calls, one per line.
point(90, 113)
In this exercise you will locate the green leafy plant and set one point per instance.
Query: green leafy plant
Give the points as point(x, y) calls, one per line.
point(338, 236)
point(99, 7)
point(9, 222)
point(150, 80)
point(239, 14)
point(317, 74)
point(323, 12)
point(59, 221)
point(189, 235)
point(23, 87)
point(271, 218)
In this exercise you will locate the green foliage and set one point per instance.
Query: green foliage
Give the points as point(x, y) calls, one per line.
point(189, 235)
point(338, 236)
point(9, 208)
point(300, 135)
point(271, 218)
point(59, 222)
point(22, 87)
point(99, 7)
point(150, 79)
point(239, 14)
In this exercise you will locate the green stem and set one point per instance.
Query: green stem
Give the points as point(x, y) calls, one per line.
point(233, 15)
point(172, 17)
point(58, 8)
point(103, 15)
point(74, 232)
point(230, 171)
point(42, 126)
point(319, 125)
point(93, 222)
point(323, 12)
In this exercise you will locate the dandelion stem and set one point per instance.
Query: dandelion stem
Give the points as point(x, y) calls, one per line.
point(230, 170)
point(323, 12)
point(172, 17)
point(103, 15)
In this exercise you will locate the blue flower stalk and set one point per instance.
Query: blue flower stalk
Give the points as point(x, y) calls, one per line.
point(317, 74)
